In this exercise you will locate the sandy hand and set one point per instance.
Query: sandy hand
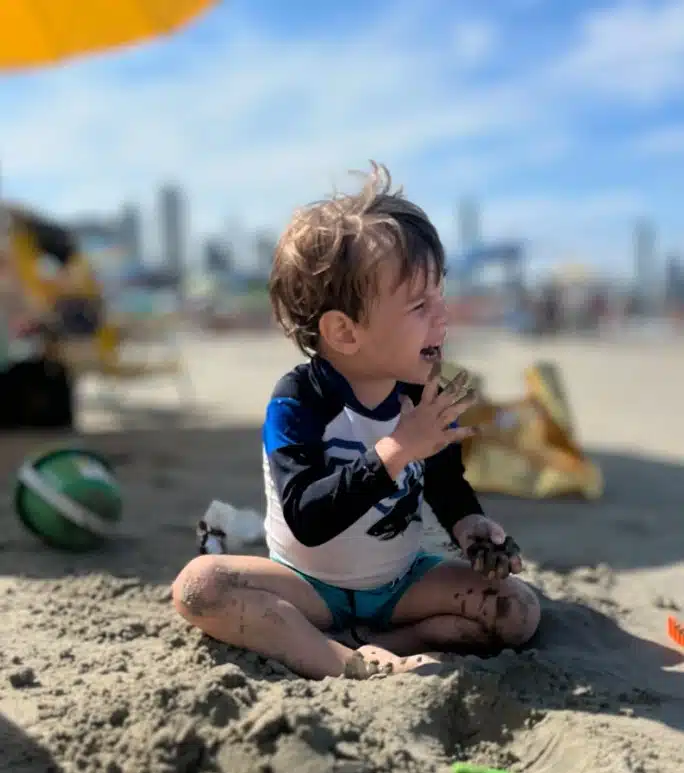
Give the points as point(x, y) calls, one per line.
point(425, 429)
point(494, 561)
point(487, 547)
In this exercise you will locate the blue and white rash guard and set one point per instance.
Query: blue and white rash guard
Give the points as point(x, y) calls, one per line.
point(333, 511)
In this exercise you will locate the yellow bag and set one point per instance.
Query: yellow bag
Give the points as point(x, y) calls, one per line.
point(526, 447)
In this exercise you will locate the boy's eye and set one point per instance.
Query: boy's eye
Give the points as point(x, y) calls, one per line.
point(419, 307)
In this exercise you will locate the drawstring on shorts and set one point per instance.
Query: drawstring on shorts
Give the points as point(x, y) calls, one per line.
point(352, 628)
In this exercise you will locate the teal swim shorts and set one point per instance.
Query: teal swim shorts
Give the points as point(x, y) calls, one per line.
point(373, 607)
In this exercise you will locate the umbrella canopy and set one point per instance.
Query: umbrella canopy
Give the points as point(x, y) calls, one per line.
point(36, 33)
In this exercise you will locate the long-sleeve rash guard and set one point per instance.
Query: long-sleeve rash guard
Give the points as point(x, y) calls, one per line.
point(333, 511)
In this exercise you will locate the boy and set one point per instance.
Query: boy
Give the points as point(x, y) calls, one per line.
point(354, 439)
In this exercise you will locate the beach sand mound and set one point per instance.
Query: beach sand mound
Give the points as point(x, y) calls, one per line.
point(110, 680)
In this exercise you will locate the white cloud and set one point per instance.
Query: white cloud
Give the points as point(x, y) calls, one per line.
point(634, 51)
point(474, 172)
point(474, 42)
point(256, 126)
point(253, 126)
point(546, 215)
point(665, 141)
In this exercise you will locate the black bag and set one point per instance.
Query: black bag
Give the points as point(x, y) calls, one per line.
point(36, 393)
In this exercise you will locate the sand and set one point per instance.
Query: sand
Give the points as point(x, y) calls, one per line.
point(96, 673)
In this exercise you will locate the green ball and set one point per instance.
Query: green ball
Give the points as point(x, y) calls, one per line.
point(69, 498)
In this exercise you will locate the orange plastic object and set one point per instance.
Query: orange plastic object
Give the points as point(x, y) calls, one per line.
point(675, 630)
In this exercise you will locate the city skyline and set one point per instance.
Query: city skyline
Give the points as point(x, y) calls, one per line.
point(656, 276)
point(167, 240)
point(542, 111)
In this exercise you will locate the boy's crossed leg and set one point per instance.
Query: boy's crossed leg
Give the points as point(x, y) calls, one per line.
point(260, 605)
point(454, 608)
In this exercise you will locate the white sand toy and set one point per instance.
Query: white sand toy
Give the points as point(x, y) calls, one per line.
point(225, 529)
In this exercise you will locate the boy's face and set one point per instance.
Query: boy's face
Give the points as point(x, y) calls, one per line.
point(405, 328)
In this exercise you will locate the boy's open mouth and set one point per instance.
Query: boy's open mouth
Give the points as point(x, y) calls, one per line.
point(431, 353)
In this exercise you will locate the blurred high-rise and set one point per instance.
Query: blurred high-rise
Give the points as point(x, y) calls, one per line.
point(173, 224)
point(674, 279)
point(130, 230)
point(468, 222)
point(645, 273)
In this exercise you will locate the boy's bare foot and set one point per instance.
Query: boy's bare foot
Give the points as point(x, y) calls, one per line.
point(372, 662)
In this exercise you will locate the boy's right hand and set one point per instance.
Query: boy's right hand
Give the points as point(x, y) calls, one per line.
point(425, 429)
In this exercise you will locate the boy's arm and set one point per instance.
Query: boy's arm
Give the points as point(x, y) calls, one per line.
point(447, 491)
point(320, 499)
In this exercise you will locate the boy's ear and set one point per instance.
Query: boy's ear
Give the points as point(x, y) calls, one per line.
point(339, 332)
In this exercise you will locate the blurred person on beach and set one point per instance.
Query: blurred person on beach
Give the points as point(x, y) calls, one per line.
point(354, 440)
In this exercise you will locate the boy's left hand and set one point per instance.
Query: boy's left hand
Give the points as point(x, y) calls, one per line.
point(485, 544)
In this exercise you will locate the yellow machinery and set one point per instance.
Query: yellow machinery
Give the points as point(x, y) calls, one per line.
point(52, 301)
point(59, 294)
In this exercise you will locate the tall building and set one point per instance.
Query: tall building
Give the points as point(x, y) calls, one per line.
point(130, 229)
point(645, 273)
point(468, 221)
point(173, 224)
point(674, 279)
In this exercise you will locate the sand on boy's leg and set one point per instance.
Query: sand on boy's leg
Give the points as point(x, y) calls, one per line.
point(453, 604)
point(443, 633)
point(262, 606)
point(453, 608)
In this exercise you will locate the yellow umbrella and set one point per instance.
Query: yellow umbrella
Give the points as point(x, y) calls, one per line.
point(35, 33)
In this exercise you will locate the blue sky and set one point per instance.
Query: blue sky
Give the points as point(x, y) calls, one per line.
point(565, 119)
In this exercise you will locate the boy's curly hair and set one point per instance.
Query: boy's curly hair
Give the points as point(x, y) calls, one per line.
point(327, 257)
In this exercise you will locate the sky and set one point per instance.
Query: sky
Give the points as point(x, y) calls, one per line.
point(565, 120)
